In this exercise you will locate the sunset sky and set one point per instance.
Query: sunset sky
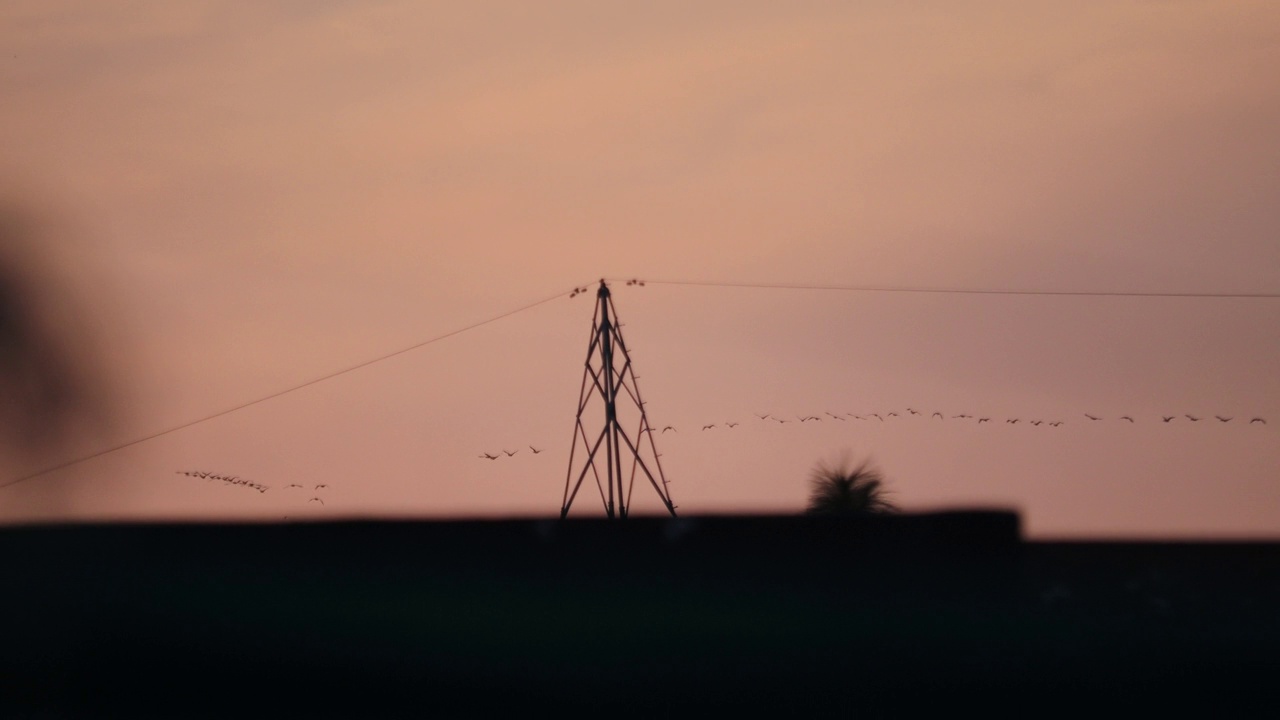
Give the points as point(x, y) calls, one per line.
point(240, 197)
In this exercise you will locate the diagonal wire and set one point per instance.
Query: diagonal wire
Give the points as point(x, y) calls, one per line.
point(954, 291)
point(275, 395)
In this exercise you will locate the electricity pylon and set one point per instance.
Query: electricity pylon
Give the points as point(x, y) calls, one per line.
point(609, 376)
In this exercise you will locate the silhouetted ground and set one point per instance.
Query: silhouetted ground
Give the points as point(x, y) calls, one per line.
point(703, 616)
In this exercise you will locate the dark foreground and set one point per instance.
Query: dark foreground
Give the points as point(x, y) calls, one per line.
point(704, 616)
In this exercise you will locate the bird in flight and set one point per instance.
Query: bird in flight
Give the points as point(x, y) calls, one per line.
point(1126, 417)
point(1037, 423)
point(732, 425)
point(509, 453)
point(913, 412)
point(1056, 423)
point(982, 420)
point(321, 485)
point(892, 414)
point(1193, 418)
point(939, 416)
point(1222, 418)
point(877, 416)
point(292, 485)
point(707, 427)
point(781, 421)
point(487, 456)
point(1012, 421)
point(1168, 418)
point(1091, 417)
point(836, 417)
point(536, 450)
point(668, 428)
point(762, 417)
point(1257, 420)
point(316, 499)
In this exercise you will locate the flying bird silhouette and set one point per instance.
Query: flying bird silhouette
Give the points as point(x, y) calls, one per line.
point(1193, 418)
point(1091, 417)
point(913, 412)
point(316, 499)
point(1012, 421)
point(938, 415)
point(892, 414)
point(1057, 423)
point(876, 416)
point(487, 456)
point(1037, 423)
point(668, 428)
point(1168, 418)
point(292, 485)
point(1126, 417)
point(1222, 418)
point(732, 425)
point(322, 485)
point(982, 420)
point(536, 450)
point(762, 417)
point(509, 453)
point(1257, 420)
point(707, 427)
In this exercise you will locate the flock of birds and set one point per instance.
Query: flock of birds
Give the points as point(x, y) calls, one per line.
point(237, 480)
point(581, 290)
point(510, 453)
point(885, 417)
point(830, 416)
point(314, 498)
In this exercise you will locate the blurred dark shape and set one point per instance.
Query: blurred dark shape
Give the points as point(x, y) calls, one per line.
point(844, 489)
point(51, 390)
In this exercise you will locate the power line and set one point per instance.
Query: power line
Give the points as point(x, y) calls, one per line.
point(954, 291)
point(286, 391)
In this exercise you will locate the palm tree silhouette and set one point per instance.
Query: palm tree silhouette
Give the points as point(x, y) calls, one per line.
point(844, 489)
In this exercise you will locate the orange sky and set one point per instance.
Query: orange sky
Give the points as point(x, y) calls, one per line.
point(246, 196)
